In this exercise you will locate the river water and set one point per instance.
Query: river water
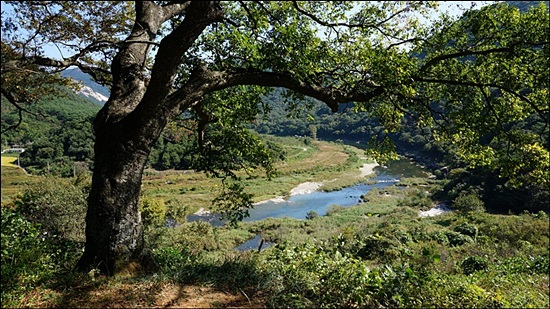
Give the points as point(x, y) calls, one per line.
point(297, 206)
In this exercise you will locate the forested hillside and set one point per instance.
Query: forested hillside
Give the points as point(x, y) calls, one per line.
point(95, 92)
point(55, 133)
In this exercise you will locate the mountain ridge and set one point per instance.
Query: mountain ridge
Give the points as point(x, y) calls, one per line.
point(90, 89)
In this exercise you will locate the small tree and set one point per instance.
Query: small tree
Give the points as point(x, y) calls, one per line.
point(466, 203)
point(153, 211)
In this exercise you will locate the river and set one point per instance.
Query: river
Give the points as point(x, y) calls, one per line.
point(297, 206)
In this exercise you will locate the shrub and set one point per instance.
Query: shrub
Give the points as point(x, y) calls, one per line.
point(57, 205)
point(466, 229)
point(311, 215)
point(29, 258)
point(457, 239)
point(472, 264)
point(309, 276)
point(172, 259)
point(379, 247)
point(153, 211)
point(469, 202)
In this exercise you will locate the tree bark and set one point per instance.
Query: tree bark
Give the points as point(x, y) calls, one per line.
point(114, 232)
point(138, 109)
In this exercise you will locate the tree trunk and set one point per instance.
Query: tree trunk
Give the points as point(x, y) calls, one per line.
point(114, 231)
point(130, 123)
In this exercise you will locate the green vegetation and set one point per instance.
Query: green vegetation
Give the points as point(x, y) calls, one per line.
point(303, 160)
point(378, 253)
point(57, 137)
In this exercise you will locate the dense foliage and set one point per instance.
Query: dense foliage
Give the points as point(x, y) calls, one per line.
point(58, 134)
point(42, 235)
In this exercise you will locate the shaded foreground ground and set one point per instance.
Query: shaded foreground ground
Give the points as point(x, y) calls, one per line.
point(134, 293)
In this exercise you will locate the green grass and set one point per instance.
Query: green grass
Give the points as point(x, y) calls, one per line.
point(14, 180)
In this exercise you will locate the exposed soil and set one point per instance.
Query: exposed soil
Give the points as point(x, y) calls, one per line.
point(142, 295)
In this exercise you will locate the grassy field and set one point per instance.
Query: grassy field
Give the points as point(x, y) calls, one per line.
point(14, 179)
point(9, 161)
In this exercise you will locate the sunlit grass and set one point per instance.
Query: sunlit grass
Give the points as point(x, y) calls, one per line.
point(9, 161)
point(14, 180)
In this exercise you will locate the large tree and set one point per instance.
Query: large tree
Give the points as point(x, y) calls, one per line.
point(471, 80)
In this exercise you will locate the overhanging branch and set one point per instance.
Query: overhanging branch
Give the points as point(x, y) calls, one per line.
point(508, 49)
point(217, 80)
point(15, 102)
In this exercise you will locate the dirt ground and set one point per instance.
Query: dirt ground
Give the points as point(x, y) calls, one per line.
point(142, 295)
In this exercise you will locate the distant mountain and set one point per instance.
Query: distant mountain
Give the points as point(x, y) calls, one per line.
point(524, 6)
point(90, 90)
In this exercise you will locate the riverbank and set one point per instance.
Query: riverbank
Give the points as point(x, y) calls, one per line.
point(310, 187)
point(314, 186)
point(368, 169)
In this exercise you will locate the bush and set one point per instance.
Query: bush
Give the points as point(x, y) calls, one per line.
point(311, 215)
point(153, 211)
point(457, 239)
point(29, 258)
point(469, 202)
point(466, 229)
point(379, 247)
point(473, 263)
point(172, 260)
point(57, 205)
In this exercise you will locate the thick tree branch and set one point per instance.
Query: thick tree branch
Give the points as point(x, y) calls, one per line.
point(20, 64)
point(173, 8)
point(211, 81)
point(172, 49)
point(437, 59)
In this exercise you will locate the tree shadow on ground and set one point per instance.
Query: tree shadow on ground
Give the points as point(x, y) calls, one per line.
point(217, 287)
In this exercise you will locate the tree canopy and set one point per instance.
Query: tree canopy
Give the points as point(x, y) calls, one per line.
point(471, 80)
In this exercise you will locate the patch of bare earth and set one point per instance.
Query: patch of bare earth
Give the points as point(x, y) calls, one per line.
point(173, 296)
point(141, 295)
point(329, 155)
